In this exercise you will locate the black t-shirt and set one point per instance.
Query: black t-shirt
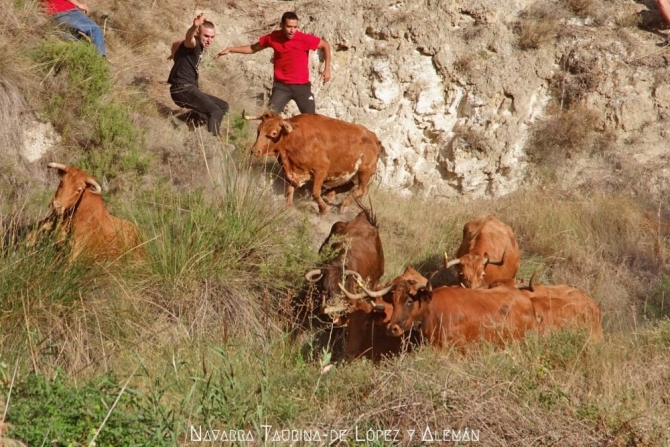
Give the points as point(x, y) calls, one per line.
point(186, 64)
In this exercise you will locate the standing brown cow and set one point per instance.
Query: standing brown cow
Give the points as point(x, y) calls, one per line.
point(489, 252)
point(82, 215)
point(331, 152)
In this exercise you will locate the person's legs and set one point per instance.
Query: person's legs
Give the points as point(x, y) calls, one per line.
point(191, 97)
point(281, 95)
point(303, 97)
point(78, 21)
point(217, 113)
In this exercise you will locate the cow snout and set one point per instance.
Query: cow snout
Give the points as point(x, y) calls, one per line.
point(395, 330)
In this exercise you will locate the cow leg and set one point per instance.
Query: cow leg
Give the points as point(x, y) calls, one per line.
point(290, 189)
point(358, 191)
point(319, 177)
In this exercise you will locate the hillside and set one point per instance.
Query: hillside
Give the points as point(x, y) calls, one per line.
point(550, 115)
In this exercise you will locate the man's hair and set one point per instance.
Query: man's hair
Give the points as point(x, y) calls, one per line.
point(290, 15)
point(208, 24)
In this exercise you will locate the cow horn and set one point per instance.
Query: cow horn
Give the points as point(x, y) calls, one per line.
point(310, 276)
point(377, 293)
point(528, 286)
point(59, 166)
point(451, 263)
point(351, 296)
point(530, 282)
point(249, 118)
point(96, 187)
point(492, 261)
point(334, 309)
point(355, 274)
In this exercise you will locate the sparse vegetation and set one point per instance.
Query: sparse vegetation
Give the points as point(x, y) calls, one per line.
point(565, 135)
point(538, 25)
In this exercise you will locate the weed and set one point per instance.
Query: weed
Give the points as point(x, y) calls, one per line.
point(537, 25)
point(583, 8)
point(55, 410)
point(563, 135)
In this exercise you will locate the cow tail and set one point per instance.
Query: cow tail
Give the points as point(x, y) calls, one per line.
point(369, 212)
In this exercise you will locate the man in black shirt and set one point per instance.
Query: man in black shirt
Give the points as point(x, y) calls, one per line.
point(183, 80)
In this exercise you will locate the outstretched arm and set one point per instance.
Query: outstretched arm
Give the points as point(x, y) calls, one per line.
point(189, 40)
point(325, 46)
point(244, 49)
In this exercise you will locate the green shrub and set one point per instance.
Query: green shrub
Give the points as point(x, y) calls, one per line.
point(54, 412)
point(78, 103)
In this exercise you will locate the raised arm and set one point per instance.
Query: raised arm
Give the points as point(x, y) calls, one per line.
point(244, 49)
point(189, 40)
point(325, 46)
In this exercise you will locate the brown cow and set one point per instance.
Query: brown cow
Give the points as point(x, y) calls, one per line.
point(94, 233)
point(489, 252)
point(360, 257)
point(457, 316)
point(367, 324)
point(329, 151)
point(563, 306)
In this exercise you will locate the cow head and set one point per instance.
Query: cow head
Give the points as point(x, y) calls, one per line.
point(471, 268)
point(271, 130)
point(73, 184)
point(408, 298)
point(326, 280)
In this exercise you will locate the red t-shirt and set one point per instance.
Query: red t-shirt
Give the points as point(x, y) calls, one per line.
point(55, 6)
point(291, 55)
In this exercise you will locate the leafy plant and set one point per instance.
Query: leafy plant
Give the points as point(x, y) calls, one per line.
point(57, 413)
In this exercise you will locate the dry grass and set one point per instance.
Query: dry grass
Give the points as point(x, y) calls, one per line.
point(538, 25)
point(583, 8)
point(563, 135)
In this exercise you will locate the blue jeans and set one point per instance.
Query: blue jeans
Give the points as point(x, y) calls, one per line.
point(78, 21)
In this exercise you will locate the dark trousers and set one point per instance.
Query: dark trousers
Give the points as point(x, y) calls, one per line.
point(190, 97)
point(300, 93)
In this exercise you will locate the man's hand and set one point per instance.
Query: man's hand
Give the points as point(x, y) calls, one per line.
point(82, 6)
point(199, 20)
point(326, 74)
point(222, 53)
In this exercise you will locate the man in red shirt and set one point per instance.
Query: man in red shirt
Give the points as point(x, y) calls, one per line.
point(72, 13)
point(291, 69)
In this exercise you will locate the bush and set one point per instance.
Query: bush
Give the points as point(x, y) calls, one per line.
point(537, 25)
point(56, 413)
point(564, 135)
point(78, 103)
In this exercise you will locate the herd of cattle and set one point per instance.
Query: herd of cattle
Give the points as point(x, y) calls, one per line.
point(485, 303)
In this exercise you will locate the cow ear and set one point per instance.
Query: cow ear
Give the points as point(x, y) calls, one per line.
point(266, 115)
point(424, 294)
point(287, 127)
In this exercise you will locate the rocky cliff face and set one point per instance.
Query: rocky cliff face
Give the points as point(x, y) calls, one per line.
point(459, 92)
point(469, 98)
